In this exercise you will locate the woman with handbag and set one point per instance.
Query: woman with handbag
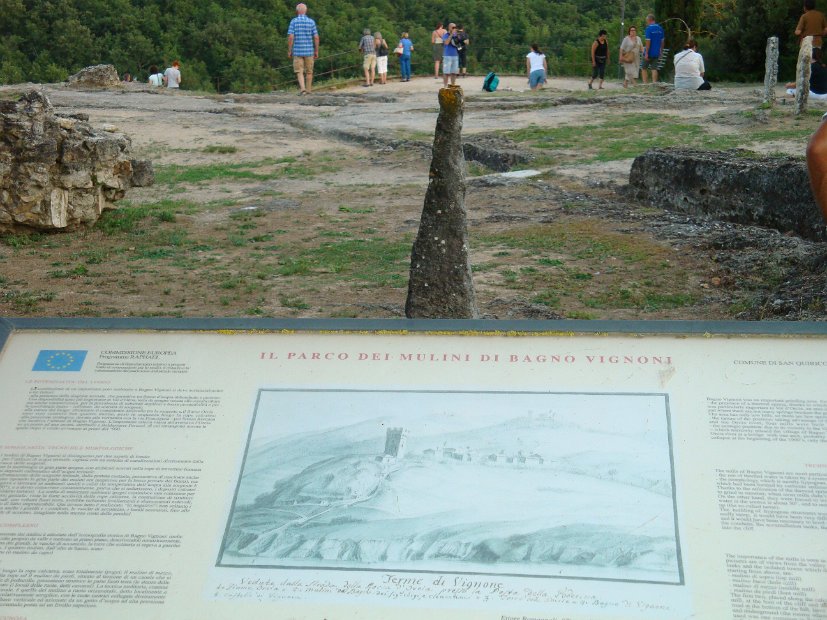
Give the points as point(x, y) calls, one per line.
point(381, 47)
point(630, 50)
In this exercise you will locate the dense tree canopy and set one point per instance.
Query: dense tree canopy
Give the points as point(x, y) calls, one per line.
point(241, 45)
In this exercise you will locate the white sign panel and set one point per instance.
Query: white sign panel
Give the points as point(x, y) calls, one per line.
point(174, 474)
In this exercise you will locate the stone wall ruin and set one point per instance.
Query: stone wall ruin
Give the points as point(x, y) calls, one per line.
point(57, 172)
point(735, 186)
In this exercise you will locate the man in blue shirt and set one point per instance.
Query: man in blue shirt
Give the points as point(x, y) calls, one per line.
point(450, 55)
point(303, 47)
point(654, 46)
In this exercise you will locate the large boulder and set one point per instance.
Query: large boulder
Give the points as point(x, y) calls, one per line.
point(56, 172)
point(736, 186)
point(98, 76)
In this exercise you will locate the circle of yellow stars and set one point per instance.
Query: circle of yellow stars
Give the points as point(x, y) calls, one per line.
point(60, 360)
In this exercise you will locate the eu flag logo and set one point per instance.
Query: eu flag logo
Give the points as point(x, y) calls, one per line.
point(60, 360)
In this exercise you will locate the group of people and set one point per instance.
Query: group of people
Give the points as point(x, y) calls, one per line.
point(171, 78)
point(449, 48)
point(638, 58)
point(449, 45)
point(813, 23)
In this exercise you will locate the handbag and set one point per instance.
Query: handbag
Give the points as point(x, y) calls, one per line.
point(628, 57)
point(399, 50)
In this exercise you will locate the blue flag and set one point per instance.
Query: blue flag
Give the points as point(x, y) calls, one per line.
point(70, 361)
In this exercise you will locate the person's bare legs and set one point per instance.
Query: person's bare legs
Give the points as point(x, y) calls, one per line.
point(643, 76)
point(436, 69)
point(309, 79)
point(372, 75)
point(654, 75)
point(300, 78)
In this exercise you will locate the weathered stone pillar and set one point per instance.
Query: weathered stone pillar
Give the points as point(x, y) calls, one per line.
point(440, 285)
point(802, 75)
point(771, 71)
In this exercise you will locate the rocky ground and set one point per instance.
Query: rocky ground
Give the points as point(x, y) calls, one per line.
point(345, 171)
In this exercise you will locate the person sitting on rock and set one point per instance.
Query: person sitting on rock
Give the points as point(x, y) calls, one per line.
point(172, 76)
point(818, 78)
point(689, 68)
point(156, 78)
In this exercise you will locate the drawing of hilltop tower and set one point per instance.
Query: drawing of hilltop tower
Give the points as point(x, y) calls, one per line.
point(395, 442)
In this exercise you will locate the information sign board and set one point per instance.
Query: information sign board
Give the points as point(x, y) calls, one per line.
point(301, 469)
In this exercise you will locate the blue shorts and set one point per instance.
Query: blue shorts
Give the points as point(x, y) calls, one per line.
point(537, 77)
point(450, 64)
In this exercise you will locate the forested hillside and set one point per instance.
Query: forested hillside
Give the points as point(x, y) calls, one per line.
point(241, 46)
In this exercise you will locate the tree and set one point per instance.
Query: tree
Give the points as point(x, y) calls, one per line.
point(678, 18)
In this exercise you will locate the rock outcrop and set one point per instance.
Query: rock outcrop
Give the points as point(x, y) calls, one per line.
point(440, 285)
point(57, 172)
point(735, 186)
point(98, 76)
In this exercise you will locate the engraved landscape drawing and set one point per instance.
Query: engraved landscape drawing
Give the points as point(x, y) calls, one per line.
point(573, 485)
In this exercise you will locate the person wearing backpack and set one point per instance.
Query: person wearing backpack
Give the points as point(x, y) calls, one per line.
point(536, 67)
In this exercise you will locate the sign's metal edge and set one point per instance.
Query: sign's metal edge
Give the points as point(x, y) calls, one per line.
point(6, 328)
point(443, 326)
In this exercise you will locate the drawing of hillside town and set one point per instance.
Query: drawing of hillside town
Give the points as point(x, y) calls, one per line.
point(535, 484)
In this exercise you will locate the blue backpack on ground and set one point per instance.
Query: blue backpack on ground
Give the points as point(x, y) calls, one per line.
point(490, 83)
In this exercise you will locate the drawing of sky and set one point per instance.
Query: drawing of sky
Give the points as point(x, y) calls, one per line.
point(282, 413)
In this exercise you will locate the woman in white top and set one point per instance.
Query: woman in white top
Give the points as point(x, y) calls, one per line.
point(630, 49)
point(156, 78)
point(689, 68)
point(536, 67)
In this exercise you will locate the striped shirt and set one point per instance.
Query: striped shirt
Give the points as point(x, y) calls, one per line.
point(367, 45)
point(303, 30)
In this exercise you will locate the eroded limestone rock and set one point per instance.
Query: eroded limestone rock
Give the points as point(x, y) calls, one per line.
point(802, 75)
point(440, 285)
point(56, 172)
point(735, 186)
point(98, 76)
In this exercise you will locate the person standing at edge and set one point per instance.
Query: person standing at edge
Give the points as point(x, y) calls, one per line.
point(654, 44)
point(630, 49)
point(812, 23)
point(367, 45)
point(405, 57)
point(303, 47)
point(172, 76)
point(381, 57)
point(450, 56)
point(437, 46)
point(600, 58)
point(462, 37)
